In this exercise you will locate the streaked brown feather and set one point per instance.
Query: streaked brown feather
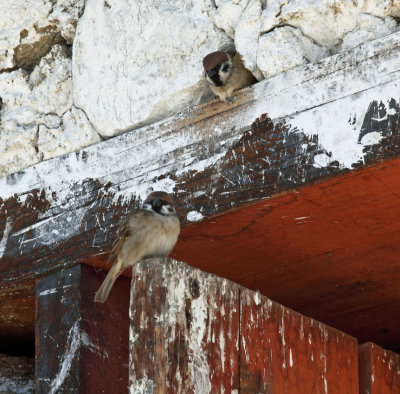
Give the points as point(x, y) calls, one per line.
point(123, 233)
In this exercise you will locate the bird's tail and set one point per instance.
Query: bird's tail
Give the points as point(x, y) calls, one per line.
point(105, 288)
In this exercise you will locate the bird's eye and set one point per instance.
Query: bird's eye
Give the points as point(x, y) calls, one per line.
point(225, 68)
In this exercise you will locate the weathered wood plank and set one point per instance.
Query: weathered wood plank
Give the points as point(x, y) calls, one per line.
point(379, 370)
point(81, 346)
point(285, 352)
point(184, 330)
point(17, 374)
point(293, 129)
point(190, 334)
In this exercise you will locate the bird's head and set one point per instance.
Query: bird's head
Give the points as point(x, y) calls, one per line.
point(159, 202)
point(218, 68)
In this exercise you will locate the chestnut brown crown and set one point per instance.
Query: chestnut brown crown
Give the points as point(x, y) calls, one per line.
point(161, 195)
point(213, 59)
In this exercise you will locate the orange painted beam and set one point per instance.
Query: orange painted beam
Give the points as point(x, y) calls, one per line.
point(330, 250)
point(285, 352)
point(379, 370)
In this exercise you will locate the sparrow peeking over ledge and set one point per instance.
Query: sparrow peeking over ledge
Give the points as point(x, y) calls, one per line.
point(151, 231)
point(226, 73)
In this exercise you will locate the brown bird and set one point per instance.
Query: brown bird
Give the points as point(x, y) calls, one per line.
point(149, 232)
point(226, 73)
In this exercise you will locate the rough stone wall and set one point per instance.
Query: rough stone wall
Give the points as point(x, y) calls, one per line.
point(74, 72)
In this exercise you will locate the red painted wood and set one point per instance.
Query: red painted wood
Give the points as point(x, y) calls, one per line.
point(282, 351)
point(184, 330)
point(329, 250)
point(81, 346)
point(379, 370)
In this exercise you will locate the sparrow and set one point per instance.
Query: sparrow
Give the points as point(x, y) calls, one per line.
point(226, 73)
point(149, 232)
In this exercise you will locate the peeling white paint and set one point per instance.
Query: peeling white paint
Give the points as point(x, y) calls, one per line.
point(371, 138)
point(47, 292)
point(13, 387)
point(4, 238)
point(101, 351)
point(257, 297)
point(200, 370)
point(142, 386)
point(73, 342)
point(194, 216)
point(222, 348)
point(176, 299)
point(76, 338)
point(246, 353)
point(302, 217)
point(322, 160)
point(282, 333)
point(283, 96)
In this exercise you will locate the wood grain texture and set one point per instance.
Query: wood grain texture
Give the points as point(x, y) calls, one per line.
point(379, 370)
point(276, 137)
point(81, 346)
point(193, 332)
point(184, 330)
point(329, 251)
point(282, 351)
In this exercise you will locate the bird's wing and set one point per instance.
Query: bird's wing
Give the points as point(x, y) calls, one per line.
point(124, 232)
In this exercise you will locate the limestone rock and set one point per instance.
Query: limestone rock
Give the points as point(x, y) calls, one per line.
point(30, 28)
point(276, 54)
point(37, 119)
point(135, 64)
point(369, 28)
point(276, 35)
point(74, 133)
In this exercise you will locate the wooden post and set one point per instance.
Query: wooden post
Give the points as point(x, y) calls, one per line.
point(81, 346)
point(193, 332)
point(379, 370)
point(184, 330)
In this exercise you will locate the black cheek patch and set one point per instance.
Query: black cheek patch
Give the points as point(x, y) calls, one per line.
point(214, 76)
point(217, 80)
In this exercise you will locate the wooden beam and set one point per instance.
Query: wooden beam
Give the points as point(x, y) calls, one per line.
point(81, 346)
point(283, 133)
point(329, 251)
point(285, 352)
point(379, 370)
point(195, 332)
point(184, 330)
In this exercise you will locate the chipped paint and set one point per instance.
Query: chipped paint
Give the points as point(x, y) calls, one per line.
point(184, 309)
point(74, 340)
point(4, 238)
point(47, 292)
point(198, 360)
point(194, 216)
point(280, 134)
point(142, 386)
